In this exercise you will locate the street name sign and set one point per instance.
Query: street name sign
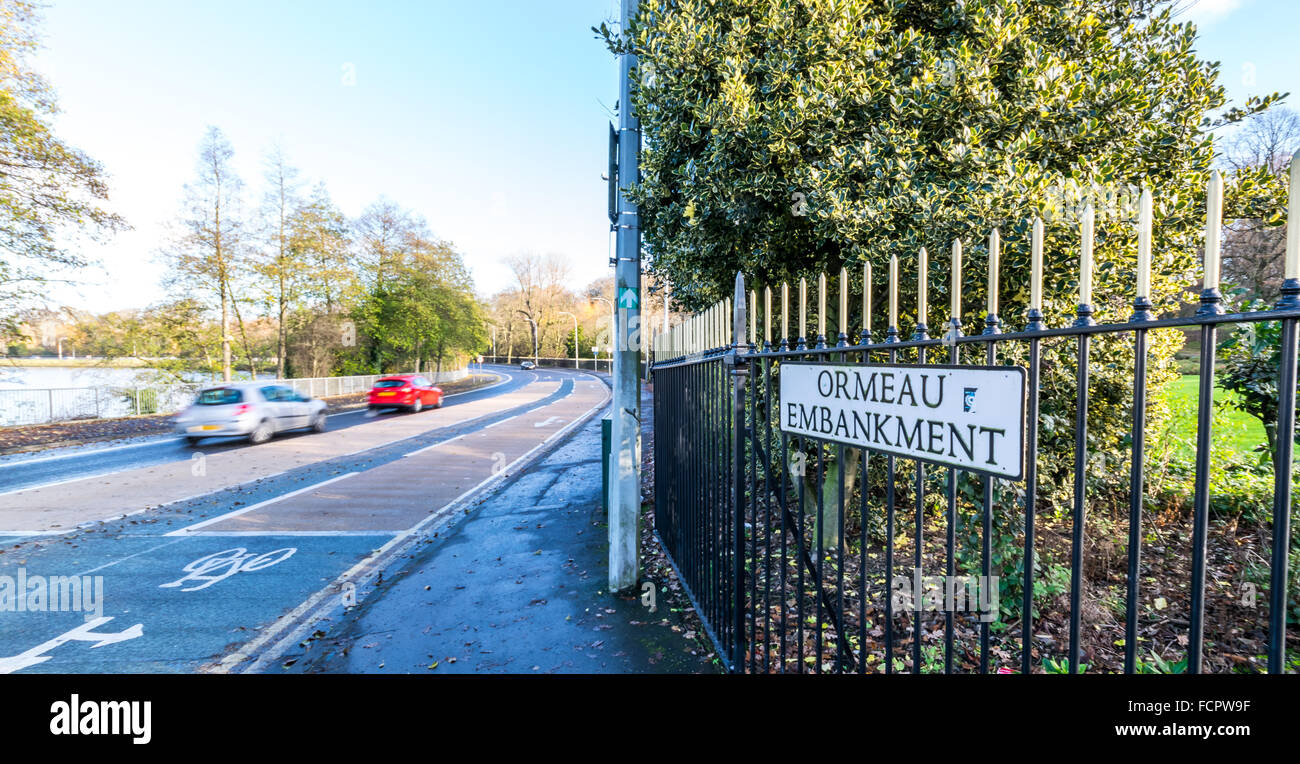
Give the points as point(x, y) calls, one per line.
point(968, 417)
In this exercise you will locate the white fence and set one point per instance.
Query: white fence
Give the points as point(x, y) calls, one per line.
point(38, 406)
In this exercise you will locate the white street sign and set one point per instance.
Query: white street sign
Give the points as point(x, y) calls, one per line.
point(970, 417)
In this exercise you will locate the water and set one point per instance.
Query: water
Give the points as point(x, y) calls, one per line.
point(36, 394)
point(42, 377)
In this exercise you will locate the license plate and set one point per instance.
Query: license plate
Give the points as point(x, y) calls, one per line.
point(205, 427)
point(381, 395)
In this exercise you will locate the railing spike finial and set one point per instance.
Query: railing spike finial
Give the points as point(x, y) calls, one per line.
point(1211, 298)
point(922, 293)
point(1291, 266)
point(891, 334)
point(752, 308)
point(1142, 302)
point(785, 316)
point(1084, 312)
point(767, 318)
point(802, 342)
point(733, 317)
point(821, 310)
point(954, 319)
point(843, 338)
point(1035, 314)
point(992, 324)
point(866, 304)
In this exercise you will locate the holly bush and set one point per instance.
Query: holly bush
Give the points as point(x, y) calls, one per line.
point(783, 138)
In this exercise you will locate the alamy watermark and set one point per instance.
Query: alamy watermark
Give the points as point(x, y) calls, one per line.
point(953, 594)
point(25, 593)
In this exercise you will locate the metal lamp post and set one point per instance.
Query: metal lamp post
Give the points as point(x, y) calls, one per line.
point(611, 324)
point(575, 335)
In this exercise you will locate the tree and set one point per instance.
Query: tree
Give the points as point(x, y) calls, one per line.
point(280, 264)
point(786, 139)
point(47, 188)
point(320, 240)
point(424, 309)
point(1259, 154)
point(204, 252)
point(380, 234)
point(539, 282)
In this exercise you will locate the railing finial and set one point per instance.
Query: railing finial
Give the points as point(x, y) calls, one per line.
point(992, 324)
point(843, 338)
point(954, 319)
point(922, 293)
point(866, 304)
point(1142, 302)
point(1035, 314)
point(1211, 299)
point(1084, 313)
point(891, 334)
point(1291, 268)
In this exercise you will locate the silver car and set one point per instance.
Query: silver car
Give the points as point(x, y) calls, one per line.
point(257, 410)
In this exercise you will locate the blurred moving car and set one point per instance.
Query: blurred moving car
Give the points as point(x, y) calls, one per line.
point(257, 410)
point(528, 366)
point(405, 391)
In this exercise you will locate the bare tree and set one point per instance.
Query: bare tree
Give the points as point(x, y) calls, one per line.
point(540, 283)
point(1252, 250)
point(279, 263)
point(380, 233)
point(204, 250)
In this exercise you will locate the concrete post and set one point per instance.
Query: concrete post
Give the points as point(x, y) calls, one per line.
point(625, 482)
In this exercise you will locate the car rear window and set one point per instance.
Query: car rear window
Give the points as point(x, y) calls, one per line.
point(390, 383)
point(220, 396)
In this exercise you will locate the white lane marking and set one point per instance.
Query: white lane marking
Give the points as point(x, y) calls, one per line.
point(83, 633)
point(320, 534)
point(503, 421)
point(128, 557)
point(219, 566)
point(443, 442)
point(58, 482)
point(236, 513)
point(35, 533)
point(276, 631)
point(549, 420)
point(92, 452)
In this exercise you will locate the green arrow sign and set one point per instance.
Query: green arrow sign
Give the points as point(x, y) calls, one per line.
point(627, 298)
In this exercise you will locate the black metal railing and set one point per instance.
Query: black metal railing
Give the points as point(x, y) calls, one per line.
point(762, 523)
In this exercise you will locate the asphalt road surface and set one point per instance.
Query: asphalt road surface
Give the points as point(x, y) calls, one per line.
point(205, 559)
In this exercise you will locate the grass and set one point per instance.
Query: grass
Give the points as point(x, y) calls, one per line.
point(1238, 430)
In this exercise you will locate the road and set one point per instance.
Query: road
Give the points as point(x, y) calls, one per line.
point(208, 558)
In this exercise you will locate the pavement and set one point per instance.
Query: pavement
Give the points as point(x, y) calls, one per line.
point(517, 585)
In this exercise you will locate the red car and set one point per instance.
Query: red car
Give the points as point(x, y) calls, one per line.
point(405, 391)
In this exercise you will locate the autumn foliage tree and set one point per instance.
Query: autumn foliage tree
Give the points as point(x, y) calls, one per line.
point(49, 191)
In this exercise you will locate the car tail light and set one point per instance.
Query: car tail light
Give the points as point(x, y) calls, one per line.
point(242, 409)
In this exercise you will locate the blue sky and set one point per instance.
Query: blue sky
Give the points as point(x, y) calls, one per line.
point(489, 119)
